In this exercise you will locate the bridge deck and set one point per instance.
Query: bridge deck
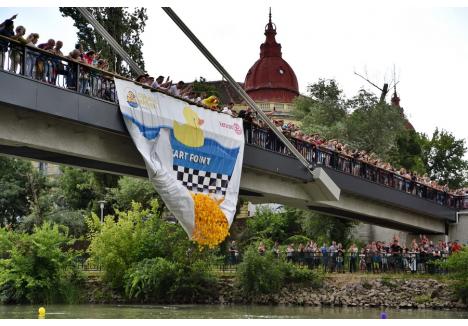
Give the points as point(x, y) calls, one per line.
point(57, 107)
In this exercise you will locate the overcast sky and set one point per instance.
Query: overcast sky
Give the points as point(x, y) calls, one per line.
point(427, 46)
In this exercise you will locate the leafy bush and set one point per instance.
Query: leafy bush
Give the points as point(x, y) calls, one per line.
point(259, 274)
point(298, 274)
point(159, 280)
point(139, 237)
point(150, 278)
point(457, 265)
point(37, 269)
point(194, 282)
point(149, 259)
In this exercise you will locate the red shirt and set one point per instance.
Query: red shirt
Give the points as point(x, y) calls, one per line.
point(88, 59)
point(456, 247)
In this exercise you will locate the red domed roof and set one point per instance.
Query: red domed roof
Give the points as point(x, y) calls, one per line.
point(271, 78)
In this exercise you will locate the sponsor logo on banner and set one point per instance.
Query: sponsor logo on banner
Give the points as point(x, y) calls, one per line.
point(132, 99)
point(136, 99)
point(235, 126)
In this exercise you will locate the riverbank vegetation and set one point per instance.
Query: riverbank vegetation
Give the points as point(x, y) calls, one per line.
point(39, 267)
point(143, 255)
point(50, 227)
point(457, 266)
point(264, 274)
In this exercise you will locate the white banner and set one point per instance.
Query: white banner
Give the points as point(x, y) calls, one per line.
point(193, 157)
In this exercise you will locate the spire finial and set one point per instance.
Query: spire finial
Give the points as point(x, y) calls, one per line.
point(269, 16)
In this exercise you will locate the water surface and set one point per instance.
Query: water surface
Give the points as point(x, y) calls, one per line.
point(213, 311)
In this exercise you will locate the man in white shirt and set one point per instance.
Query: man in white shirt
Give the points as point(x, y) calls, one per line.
point(177, 89)
point(228, 109)
point(159, 83)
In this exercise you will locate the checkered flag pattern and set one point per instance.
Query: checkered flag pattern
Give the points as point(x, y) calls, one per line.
point(202, 181)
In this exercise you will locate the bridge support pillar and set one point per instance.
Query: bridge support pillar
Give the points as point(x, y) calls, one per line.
point(459, 230)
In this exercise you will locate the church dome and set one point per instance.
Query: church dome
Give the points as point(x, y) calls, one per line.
point(271, 78)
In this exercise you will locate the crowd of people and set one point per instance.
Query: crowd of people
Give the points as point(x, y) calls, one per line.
point(375, 257)
point(44, 67)
point(350, 160)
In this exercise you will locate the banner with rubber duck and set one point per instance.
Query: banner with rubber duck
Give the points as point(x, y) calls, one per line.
point(193, 156)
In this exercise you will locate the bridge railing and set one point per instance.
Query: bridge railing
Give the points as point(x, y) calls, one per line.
point(64, 72)
point(416, 262)
point(56, 70)
point(320, 156)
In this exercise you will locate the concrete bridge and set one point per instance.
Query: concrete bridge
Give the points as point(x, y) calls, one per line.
point(53, 124)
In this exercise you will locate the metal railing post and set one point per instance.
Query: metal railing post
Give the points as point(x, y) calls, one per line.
point(77, 77)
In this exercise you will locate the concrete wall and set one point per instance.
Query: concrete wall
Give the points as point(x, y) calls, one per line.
point(460, 231)
point(368, 233)
point(457, 232)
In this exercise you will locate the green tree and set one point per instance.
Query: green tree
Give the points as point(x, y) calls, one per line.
point(269, 225)
point(15, 190)
point(124, 25)
point(361, 122)
point(373, 126)
point(78, 188)
point(201, 86)
point(443, 157)
point(131, 189)
point(40, 201)
point(324, 110)
point(36, 268)
point(408, 153)
point(457, 265)
point(322, 228)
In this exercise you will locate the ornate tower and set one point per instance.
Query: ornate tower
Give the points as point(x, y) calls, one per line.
point(271, 81)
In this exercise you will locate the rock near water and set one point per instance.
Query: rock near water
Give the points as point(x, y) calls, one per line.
point(407, 294)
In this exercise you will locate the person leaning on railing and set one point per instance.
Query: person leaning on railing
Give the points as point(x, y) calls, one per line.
point(43, 62)
point(57, 65)
point(7, 30)
point(31, 41)
point(15, 51)
point(71, 76)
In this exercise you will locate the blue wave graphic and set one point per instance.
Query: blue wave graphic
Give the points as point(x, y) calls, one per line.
point(211, 157)
point(150, 133)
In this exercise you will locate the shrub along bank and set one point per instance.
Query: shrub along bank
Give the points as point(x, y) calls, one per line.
point(39, 267)
point(146, 259)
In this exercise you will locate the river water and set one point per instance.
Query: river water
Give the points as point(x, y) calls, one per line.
point(213, 311)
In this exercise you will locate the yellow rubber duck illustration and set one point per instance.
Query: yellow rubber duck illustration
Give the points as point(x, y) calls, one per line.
point(190, 134)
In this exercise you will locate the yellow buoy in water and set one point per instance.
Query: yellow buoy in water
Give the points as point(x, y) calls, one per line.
point(41, 312)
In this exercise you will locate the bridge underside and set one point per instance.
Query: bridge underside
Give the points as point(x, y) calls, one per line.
point(63, 127)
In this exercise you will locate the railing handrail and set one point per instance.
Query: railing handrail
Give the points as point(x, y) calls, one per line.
point(308, 145)
point(323, 149)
